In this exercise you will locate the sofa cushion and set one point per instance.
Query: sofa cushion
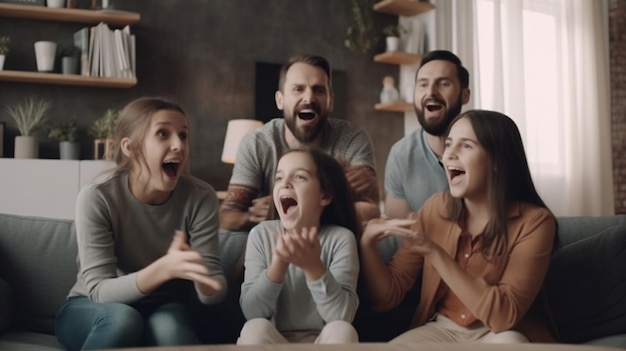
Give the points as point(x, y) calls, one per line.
point(585, 286)
point(38, 261)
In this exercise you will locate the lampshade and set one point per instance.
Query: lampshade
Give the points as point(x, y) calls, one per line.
point(235, 131)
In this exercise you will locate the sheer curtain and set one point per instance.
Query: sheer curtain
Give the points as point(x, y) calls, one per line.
point(544, 63)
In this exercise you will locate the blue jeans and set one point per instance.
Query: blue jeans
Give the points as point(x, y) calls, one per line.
point(85, 325)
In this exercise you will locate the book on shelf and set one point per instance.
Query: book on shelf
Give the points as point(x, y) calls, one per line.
point(81, 41)
point(94, 51)
point(111, 53)
point(125, 57)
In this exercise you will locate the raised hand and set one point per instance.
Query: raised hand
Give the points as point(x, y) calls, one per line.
point(420, 244)
point(302, 250)
point(184, 263)
point(380, 228)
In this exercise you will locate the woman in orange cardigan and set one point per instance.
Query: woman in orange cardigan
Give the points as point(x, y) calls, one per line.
point(482, 247)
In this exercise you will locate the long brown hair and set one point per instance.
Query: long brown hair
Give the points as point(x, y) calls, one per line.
point(509, 182)
point(341, 210)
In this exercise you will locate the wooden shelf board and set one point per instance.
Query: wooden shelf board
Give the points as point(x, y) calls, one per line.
point(394, 107)
point(65, 79)
point(112, 17)
point(403, 7)
point(398, 58)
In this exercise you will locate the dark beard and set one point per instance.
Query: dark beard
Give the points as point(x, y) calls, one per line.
point(438, 129)
point(305, 134)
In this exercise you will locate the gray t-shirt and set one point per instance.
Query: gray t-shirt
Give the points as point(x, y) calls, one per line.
point(296, 304)
point(259, 151)
point(413, 171)
point(119, 235)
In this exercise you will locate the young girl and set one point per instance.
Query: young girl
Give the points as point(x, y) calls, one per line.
point(301, 271)
point(147, 240)
point(482, 247)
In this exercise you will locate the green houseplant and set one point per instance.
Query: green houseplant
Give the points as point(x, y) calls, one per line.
point(102, 130)
point(67, 135)
point(394, 30)
point(392, 34)
point(64, 132)
point(28, 115)
point(4, 49)
point(359, 37)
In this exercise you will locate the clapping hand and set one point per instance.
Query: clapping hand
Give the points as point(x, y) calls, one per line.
point(420, 244)
point(186, 263)
point(380, 228)
point(302, 250)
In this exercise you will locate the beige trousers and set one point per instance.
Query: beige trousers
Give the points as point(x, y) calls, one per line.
point(261, 331)
point(442, 329)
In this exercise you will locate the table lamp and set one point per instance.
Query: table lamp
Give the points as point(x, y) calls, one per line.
point(235, 131)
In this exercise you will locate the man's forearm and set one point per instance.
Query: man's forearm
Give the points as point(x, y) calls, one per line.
point(235, 220)
point(234, 213)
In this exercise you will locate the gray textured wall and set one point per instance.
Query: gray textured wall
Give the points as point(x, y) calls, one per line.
point(203, 54)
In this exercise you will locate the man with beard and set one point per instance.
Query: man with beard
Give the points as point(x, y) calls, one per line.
point(413, 172)
point(305, 96)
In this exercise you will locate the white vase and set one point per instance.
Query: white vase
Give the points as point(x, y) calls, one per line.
point(44, 53)
point(26, 147)
point(55, 3)
point(393, 43)
point(1, 62)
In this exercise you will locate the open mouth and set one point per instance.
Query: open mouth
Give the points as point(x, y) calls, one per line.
point(308, 111)
point(455, 172)
point(307, 115)
point(287, 202)
point(171, 168)
point(433, 107)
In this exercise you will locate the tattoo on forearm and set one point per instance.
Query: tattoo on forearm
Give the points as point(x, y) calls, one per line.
point(239, 197)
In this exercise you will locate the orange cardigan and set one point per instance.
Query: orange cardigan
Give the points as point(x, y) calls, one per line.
point(515, 279)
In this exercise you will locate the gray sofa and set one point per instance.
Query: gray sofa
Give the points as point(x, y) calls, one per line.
point(586, 285)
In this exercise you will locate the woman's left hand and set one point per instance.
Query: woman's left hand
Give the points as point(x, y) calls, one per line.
point(420, 244)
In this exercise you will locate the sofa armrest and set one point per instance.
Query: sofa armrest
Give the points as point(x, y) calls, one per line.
point(6, 312)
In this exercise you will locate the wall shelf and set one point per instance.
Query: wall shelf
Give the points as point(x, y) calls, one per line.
point(394, 106)
point(406, 8)
point(113, 17)
point(402, 7)
point(65, 79)
point(398, 58)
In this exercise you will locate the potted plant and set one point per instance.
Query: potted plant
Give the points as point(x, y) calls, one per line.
point(28, 115)
point(392, 36)
point(67, 135)
point(359, 37)
point(70, 55)
point(4, 49)
point(102, 130)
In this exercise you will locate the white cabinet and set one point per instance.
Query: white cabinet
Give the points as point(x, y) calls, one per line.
point(45, 188)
